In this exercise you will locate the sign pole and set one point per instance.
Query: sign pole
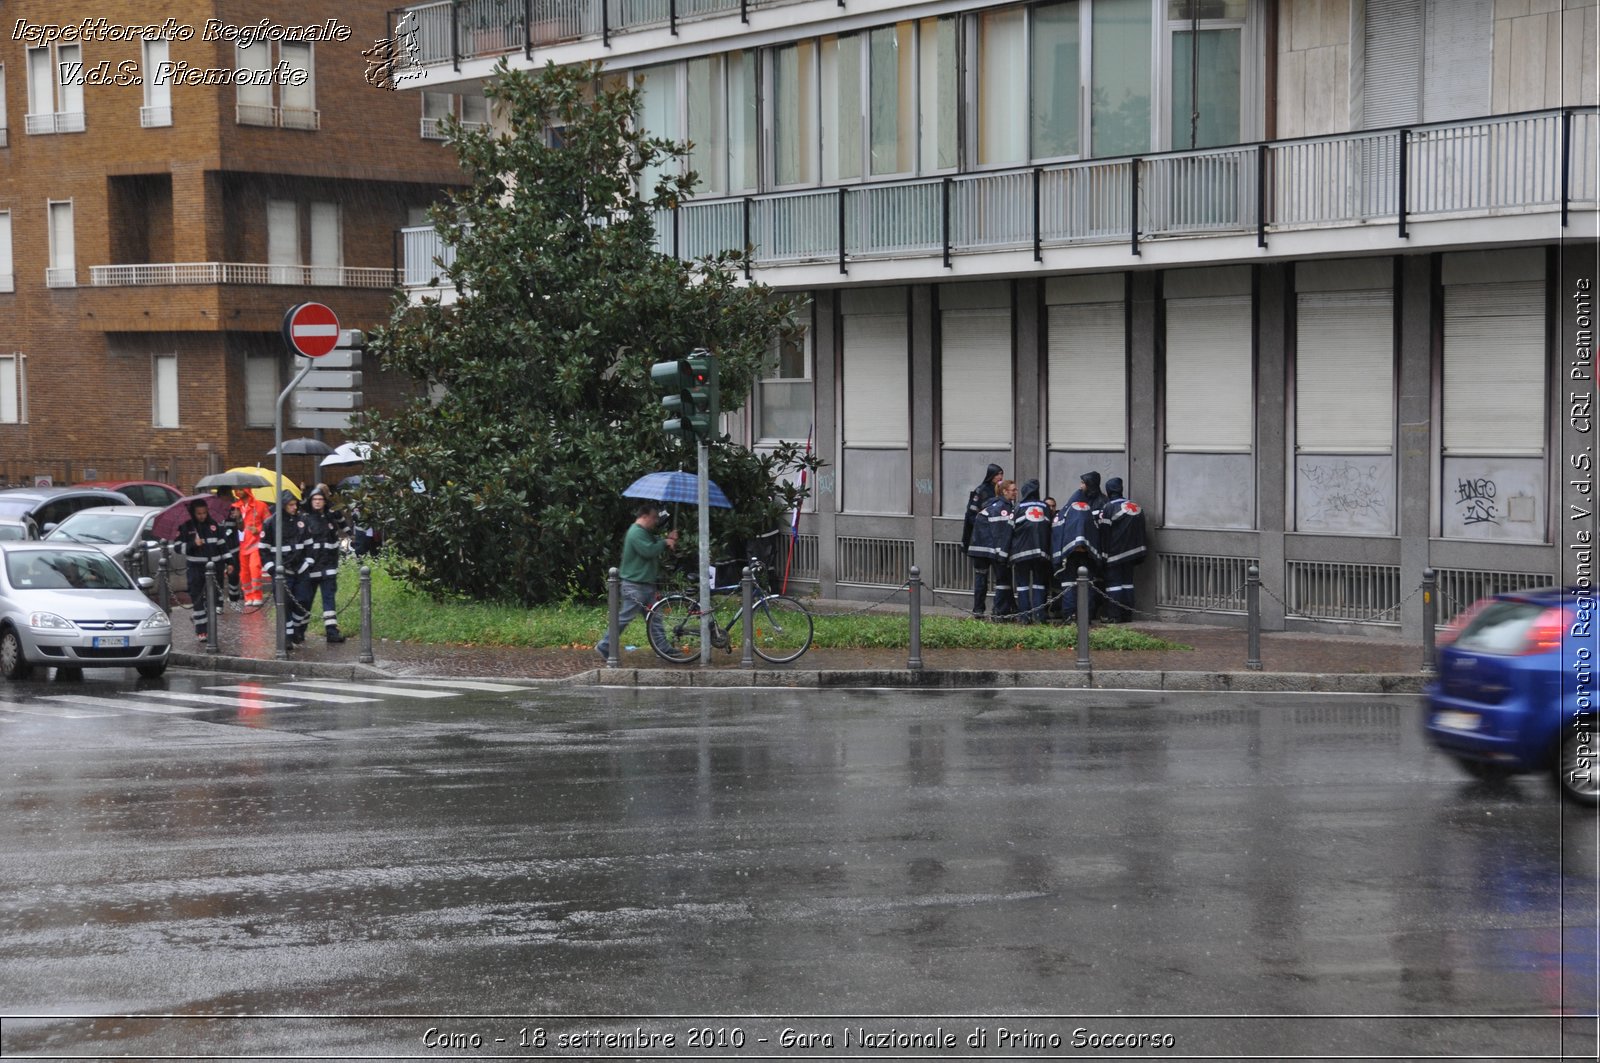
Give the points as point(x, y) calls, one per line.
point(277, 516)
point(703, 493)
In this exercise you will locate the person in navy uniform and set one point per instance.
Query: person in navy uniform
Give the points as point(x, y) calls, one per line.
point(325, 527)
point(990, 549)
point(1074, 544)
point(201, 539)
point(977, 498)
point(1122, 542)
point(290, 564)
point(1030, 553)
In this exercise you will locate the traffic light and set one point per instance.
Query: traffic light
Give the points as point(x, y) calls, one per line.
point(703, 393)
point(671, 381)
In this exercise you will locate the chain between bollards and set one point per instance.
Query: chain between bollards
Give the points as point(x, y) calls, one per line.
point(613, 629)
point(1430, 622)
point(212, 634)
point(914, 660)
point(1252, 593)
point(747, 608)
point(1085, 611)
point(365, 647)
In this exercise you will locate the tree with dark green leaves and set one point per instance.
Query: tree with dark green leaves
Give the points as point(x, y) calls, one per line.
point(502, 480)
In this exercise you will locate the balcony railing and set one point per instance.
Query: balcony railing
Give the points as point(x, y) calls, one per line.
point(164, 273)
point(54, 122)
point(420, 248)
point(61, 277)
point(1542, 161)
point(443, 31)
point(150, 117)
point(433, 128)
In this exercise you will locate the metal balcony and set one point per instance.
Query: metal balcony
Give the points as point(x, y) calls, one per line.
point(166, 273)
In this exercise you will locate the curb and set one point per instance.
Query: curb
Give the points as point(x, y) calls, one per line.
point(208, 662)
point(974, 679)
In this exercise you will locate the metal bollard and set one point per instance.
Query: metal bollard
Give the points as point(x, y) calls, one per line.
point(279, 617)
point(164, 581)
point(365, 648)
point(613, 629)
point(1085, 610)
point(211, 607)
point(747, 608)
point(914, 660)
point(1252, 596)
point(1430, 622)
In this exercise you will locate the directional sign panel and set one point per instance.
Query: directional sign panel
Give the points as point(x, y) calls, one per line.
point(326, 400)
point(340, 358)
point(321, 419)
point(320, 379)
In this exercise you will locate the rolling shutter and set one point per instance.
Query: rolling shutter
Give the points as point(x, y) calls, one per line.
point(876, 381)
point(1457, 41)
point(975, 378)
point(1392, 88)
point(1210, 392)
point(1087, 387)
point(1344, 373)
point(1494, 369)
point(260, 389)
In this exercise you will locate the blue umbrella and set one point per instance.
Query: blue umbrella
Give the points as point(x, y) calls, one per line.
point(675, 487)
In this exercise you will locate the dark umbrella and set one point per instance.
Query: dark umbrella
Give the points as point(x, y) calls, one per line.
point(233, 480)
point(167, 522)
point(350, 483)
point(303, 445)
point(675, 487)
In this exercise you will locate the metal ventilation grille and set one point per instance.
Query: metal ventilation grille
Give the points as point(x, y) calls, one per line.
point(1201, 582)
point(875, 562)
point(1329, 590)
point(1460, 587)
point(952, 568)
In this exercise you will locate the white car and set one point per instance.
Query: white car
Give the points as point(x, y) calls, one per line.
point(73, 607)
point(121, 531)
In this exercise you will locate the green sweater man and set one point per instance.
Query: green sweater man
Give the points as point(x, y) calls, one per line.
point(640, 571)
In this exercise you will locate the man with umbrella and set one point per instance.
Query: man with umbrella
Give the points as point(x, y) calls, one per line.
point(640, 570)
point(202, 540)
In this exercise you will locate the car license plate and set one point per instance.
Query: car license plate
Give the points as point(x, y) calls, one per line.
point(110, 642)
point(1457, 721)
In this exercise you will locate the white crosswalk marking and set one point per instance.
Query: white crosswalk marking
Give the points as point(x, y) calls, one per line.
point(303, 695)
point(462, 684)
point(201, 702)
point(65, 711)
point(367, 688)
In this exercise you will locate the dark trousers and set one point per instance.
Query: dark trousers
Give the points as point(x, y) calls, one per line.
point(197, 595)
point(298, 591)
point(1005, 591)
point(1119, 589)
point(329, 586)
point(980, 586)
point(1069, 580)
point(1033, 589)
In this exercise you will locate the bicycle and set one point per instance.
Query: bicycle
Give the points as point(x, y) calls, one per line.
point(782, 626)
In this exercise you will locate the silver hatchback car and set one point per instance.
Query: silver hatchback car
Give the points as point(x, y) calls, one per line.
point(73, 607)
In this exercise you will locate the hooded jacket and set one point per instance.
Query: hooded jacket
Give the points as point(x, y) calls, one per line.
point(1122, 532)
point(991, 532)
point(1091, 490)
point(1075, 536)
point(252, 517)
point(323, 532)
point(1030, 527)
point(295, 557)
point(214, 543)
point(980, 497)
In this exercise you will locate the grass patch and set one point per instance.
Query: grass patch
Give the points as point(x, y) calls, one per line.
point(402, 614)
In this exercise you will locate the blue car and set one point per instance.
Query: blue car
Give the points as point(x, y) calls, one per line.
point(1515, 691)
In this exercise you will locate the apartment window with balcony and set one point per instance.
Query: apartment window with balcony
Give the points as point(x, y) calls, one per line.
point(260, 390)
point(254, 101)
point(1119, 80)
point(157, 109)
point(13, 389)
point(62, 271)
point(842, 95)
point(1056, 51)
point(1206, 43)
point(1002, 87)
point(327, 244)
point(436, 107)
point(296, 106)
point(659, 113)
point(164, 391)
point(55, 89)
point(298, 93)
point(8, 281)
point(937, 96)
point(1426, 61)
point(283, 241)
point(784, 410)
point(794, 114)
point(722, 122)
point(474, 112)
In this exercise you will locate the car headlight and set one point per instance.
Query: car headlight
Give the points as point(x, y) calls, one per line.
point(155, 622)
point(49, 622)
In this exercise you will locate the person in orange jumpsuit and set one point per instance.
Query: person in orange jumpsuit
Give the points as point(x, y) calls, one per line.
point(252, 514)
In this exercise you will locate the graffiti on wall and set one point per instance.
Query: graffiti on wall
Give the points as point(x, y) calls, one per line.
point(1343, 492)
point(1475, 501)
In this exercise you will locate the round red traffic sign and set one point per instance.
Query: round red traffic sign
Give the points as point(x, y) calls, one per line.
point(311, 329)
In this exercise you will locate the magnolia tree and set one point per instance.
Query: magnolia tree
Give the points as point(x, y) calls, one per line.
point(503, 479)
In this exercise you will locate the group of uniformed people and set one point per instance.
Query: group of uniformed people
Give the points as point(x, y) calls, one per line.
point(1031, 548)
point(309, 560)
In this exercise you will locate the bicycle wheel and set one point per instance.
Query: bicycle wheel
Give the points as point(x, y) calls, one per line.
point(782, 629)
point(673, 627)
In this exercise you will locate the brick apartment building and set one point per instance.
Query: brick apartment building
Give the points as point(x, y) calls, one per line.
point(151, 236)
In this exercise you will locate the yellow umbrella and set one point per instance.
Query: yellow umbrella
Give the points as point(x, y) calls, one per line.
point(268, 494)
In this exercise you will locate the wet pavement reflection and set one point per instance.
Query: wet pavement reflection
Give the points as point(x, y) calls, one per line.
point(661, 852)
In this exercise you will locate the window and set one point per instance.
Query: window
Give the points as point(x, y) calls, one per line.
point(841, 107)
point(283, 241)
point(1056, 61)
point(157, 109)
point(8, 282)
point(436, 107)
point(1426, 61)
point(474, 111)
point(892, 126)
point(13, 389)
point(744, 121)
point(62, 271)
point(794, 114)
point(784, 410)
point(55, 89)
point(1205, 41)
point(260, 390)
point(254, 101)
point(707, 123)
point(658, 113)
point(1119, 85)
point(1002, 87)
point(164, 391)
point(3, 139)
point(298, 93)
point(327, 254)
point(936, 95)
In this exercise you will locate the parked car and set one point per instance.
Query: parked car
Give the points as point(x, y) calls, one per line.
point(143, 492)
point(72, 607)
point(14, 530)
point(121, 531)
point(1515, 691)
point(48, 506)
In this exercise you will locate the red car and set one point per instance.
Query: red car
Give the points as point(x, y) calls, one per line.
point(143, 492)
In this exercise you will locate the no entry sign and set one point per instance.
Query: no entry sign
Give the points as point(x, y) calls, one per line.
point(310, 329)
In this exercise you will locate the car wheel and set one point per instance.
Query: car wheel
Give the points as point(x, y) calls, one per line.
point(1482, 770)
point(1577, 771)
point(13, 663)
point(152, 671)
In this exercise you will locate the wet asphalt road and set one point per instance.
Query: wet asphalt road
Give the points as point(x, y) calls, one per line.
point(1081, 857)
